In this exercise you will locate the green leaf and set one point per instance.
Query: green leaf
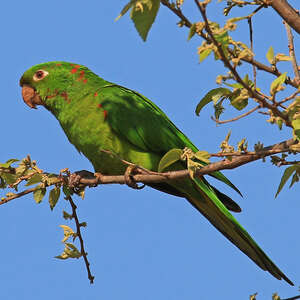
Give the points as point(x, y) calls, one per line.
point(296, 126)
point(20, 170)
point(270, 55)
point(169, 158)
point(9, 178)
point(67, 216)
point(212, 95)
point(192, 31)
point(286, 175)
point(204, 54)
point(39, 194)
point(125, 9)
point(282, 57)
point(8, 163)
point(227, 137)
point(222, 38)
point(253, 297)
point(83, 224)
point(143, 15)
point(72, 251)
point(203, 156)
point(62, 256)
point(234, 85)
point(68, 232)
point(277, 83)
point(295, 177)
point(67, 191)
point(239, 99)
point(219, 109)
point(193, 167)
point(242, 145)
point(34, 179)
point(2, 183)
point(53, 197)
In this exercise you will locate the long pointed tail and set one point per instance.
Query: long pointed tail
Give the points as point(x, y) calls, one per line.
point(213, 209)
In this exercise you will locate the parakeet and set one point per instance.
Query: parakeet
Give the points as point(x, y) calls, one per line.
point(111, 124)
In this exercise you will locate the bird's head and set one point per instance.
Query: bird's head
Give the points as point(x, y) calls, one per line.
point(46, 81)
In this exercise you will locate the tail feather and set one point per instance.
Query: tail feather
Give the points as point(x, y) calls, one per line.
point(217, 214)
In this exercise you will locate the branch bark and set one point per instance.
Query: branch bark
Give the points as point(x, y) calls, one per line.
point(287, 12)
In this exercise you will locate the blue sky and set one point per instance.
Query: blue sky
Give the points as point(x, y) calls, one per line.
point(141, 244)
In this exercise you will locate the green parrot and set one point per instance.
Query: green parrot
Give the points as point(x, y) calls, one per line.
point(111, 124)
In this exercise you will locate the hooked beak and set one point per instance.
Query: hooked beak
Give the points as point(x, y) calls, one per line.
point(30, 96)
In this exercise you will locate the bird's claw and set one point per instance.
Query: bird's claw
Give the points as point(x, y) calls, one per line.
point(98, 176)
point(129, 180)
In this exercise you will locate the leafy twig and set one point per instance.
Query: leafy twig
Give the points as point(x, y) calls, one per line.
point(78, 226)
point(238, 117)
point(18, 195)
point(252, 93)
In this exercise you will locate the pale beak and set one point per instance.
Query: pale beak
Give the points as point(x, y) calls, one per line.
point(30, 96)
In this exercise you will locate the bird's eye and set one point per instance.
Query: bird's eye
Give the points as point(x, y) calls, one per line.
point(39, 75)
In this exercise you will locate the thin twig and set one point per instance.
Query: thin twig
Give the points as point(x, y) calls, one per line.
point(292, 52)
point(177, 11)
point(293, 298)
point(292, 96)
point(286, 163)
point(264, 113)
point(238, 117)
point(18, 195)
point(82, 251)
point(233, 154)
point(263, 67)
point(251, 45)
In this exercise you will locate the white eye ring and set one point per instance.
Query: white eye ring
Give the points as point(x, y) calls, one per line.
point(39, 75)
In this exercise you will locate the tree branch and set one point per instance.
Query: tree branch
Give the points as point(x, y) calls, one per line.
point(287, 12)
point(145, 176)
point(292, 52)
point(235, 162)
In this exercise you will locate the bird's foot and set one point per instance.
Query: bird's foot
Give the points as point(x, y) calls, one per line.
point(99, 176)
point(74, 178)
point(129, 180)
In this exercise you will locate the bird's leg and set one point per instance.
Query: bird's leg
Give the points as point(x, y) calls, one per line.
point(129, 180)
